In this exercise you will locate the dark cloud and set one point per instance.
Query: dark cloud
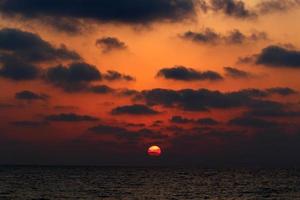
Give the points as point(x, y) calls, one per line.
point(203, 99)
point(128, 92)
point(232, 8)
point(75, 77)
point(271, 6)
point(201, 121)
point(283, 91)
point(251, 92)
point(67, 25)
point(117, 76)
point(108, 44)
point(237, 37)
point(30, 47)
point(136, 109)
point(126, 11)
point(70, 117)
point(20, 51)
point(237, 73)
point(276, 56)
point(209, 36)
point(271, 109)
point(135, 125)
point(29, 124)
point(253, 122)
point(79, 76)
point(273, 112)
point(101, 89)
point(31, 96)
point(75, 72)
point(207, 122)
point(188, 99)
point(182, 73)
point(15, 69)
point(259, 93)
point(180, 120)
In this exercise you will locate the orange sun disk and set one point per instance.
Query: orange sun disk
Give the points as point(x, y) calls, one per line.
point(154, 151)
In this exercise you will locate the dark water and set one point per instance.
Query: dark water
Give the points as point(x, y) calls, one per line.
point(146, 183)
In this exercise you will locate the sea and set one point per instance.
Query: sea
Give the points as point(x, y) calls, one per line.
point(41, 182)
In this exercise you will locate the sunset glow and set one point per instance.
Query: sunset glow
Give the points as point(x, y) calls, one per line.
point(98, 81)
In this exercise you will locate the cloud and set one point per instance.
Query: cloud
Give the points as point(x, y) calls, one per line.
point(260, 93)
point(203, 99)
point(283, 91)
point(182, 73)
point(234, 37)
point(272, 109)
point(28, 95)
point(251, 92)
point(15, 69)
point(21, 51)
point(117, 76)
point(207, 122)
point(75, 77)
point(253, 122)
point(272, 112)
point(276, 56)
point(188, 99)
point(29, 124)
point(237, 73)
point(30, 47)
point(201, 121)
point(128, 92)
point(101, 89)
point(70, 117)
point(180, 120)
point(232, 8)
point(207, 36)
point(136, 109)
point(104, 11)
point(108, 44)
point(237, 37)
point(271, 6)
point(66, 25)
point(79, 77)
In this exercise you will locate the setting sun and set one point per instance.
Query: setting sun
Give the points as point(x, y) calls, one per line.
point(154, 151)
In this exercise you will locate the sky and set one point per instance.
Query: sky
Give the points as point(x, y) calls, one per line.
point(96, 82)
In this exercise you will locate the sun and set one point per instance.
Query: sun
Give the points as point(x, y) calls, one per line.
point(154, 151)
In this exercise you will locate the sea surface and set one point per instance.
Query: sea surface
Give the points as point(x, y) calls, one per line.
point(147, 183)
